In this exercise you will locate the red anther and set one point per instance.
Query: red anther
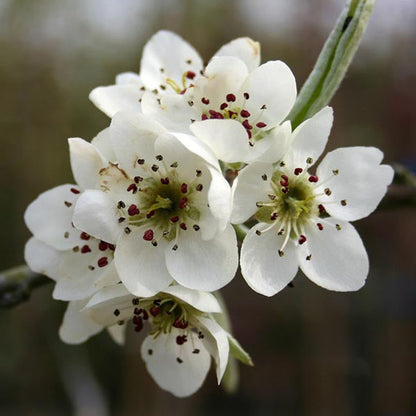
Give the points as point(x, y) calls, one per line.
point(204, 117)
point(85, 249)
point(223, 106)
point(322, 209)
point(285, 177)
point(138, 311)
point(245, 113)
point(103, 245)
point(284, 183)
point(246, 95)
point(184, 203)
point(190, 75)
point(205, 100)
point(230, 97)
point(302, 239)
point(313, 178)
point(112, 247)
point(184, 91)
point(215, 114)
point(183, 226)
point(184, 188)
point(139, 323)
point(84, 236)
point(248, 133)
point(181, 339)
point(247, 125)
point(231, 113)
point(148, 235)
point(320, 226)
point(298, 171)
point(260, 124)
point(133, 210)
point(154, 310)
point(145, 315)
point(132, 187)
point(75, 191)
point(150, 214)
point(174, 219)
point(180, 323)
point(102, 262)
point(164, 181)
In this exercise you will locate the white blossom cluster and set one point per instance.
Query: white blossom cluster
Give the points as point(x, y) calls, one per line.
point(145, 234)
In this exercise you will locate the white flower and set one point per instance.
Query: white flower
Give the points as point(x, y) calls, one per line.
point(303, 216)
point(164, 208)
point(169, 65)
point(183, 334)
point(79, 263)
point(236, 112)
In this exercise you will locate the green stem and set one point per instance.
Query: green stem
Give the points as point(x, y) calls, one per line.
point(333, 61)
point(16, 285)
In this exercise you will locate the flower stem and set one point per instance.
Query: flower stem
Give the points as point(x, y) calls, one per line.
point(16, 285)
point(333, 61)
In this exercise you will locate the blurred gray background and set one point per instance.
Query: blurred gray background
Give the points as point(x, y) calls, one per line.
point(316, 352)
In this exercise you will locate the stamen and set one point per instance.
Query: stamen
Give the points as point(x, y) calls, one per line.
point(103, 261)
point(320, 226)
point(184, 188)
point(84, 236)
point(261, 125)
point(148, 235)
point(245, 113)
point(302, 239)
point(133, 210)
point(298, 171)
point(85, 249)
point(204, 100)
point(230, 98)
point(313, 178)
point(75, 191)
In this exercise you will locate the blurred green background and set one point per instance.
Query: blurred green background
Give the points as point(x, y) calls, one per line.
point(316, 352)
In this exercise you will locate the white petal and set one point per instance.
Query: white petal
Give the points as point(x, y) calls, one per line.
point(273, 85)
point(179, 378)
point(262, 267)
point(102, 142)
point(114, 98)
point(167, 55)
point(118, 333)
point(217, 339)
point(55, 230)
point(309, 138)
point(360, 181)
point(96, 214)
point(86, 163)
point(223, 75)
point(227, 138)
point(203, 301)
point(141, 266)
point(76, 326)
point(128, 78)
point(42, 258)
point(132, 137)
point(278, 142)
point(250, 186)
point(245, 49)
point(339, 260)
point(204, 265)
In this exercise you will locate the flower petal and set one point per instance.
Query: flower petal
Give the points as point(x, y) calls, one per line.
point(117, 333)
point(55, 230)
point(250, 186)
point(216, 341)
point(114, 98)
point(356, 180)
point(271, 85)
point(42, 258)
point(339, 260)
point(128, 78)
point(264, 270)
point(86, 163)
point(204, 265)
point(309, 138)
point(245, 49)
point(275, 144)
point(96, 214)
point(203, 301)
point(102, 142)
point(141, 266)
point(167, 55)
point(76, 326)
point(175, 368)
point(227, 138)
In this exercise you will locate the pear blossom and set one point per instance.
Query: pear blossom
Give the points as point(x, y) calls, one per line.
point(169, 65)
point(238, 113)
point(79, 263)
point(303, 216)
point(164, 208)
point(182, 334)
